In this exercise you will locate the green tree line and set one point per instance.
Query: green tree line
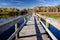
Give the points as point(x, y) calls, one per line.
point(11, 12)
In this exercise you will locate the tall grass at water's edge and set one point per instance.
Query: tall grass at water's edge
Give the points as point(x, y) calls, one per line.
point(55, 15)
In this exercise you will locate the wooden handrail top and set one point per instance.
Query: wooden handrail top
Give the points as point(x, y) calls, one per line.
point(15, 19)
point(51, 21)
point(10, 23)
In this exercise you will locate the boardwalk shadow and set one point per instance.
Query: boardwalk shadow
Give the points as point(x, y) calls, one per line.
point(38, 33)
point(28, 36)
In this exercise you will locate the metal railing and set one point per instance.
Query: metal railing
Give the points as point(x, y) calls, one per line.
point(8, 24)
point(46, 26)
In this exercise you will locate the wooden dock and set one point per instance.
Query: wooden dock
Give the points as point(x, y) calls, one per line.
point(33, 30)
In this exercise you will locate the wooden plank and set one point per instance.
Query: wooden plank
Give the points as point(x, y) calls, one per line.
point(47, 25)
point(48, 31)
point(43, 32)
point(16, 27)
point(28, 32)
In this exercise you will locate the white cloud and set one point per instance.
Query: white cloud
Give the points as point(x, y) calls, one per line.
point(3, 3)
point(16, 1)
point(18, 7)
point(42, 1)
point(0, 6)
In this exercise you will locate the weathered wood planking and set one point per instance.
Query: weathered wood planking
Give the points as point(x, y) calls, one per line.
point(46, 27)
point(29, 30)
point(42, 30)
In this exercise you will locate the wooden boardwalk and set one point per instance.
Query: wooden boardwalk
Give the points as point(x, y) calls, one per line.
point(33, 30)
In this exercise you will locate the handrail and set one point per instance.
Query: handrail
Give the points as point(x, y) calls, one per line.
point(18, 30)
point(1, 24)
point(8, 24)
point(47, 24)
point(51, 21)
point(19, 17)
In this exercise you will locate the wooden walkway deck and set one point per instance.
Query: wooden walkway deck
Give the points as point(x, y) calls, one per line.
point(33, 31)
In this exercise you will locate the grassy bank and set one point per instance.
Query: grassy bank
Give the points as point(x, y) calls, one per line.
point(55, 15)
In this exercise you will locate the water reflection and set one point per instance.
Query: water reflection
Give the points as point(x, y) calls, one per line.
point(7, 16)
point(4, 18)
point(54, 30)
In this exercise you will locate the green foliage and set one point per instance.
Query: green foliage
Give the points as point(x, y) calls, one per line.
point(23, 12)
point(55, 17)
point(13, 12)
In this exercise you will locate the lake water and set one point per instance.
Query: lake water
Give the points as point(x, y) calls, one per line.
point(6, 34)
point(55, 31)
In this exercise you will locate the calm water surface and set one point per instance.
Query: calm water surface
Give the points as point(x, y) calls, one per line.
point(6, 34)
point(55, 31)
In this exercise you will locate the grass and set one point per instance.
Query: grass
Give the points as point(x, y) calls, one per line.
point(55, 15)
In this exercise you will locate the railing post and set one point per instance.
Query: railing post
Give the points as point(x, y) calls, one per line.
point(39, 18)
point(24, 20)
point(47, 25)
point(16, 27)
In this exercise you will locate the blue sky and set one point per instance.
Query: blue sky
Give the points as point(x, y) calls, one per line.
point(27, 3)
